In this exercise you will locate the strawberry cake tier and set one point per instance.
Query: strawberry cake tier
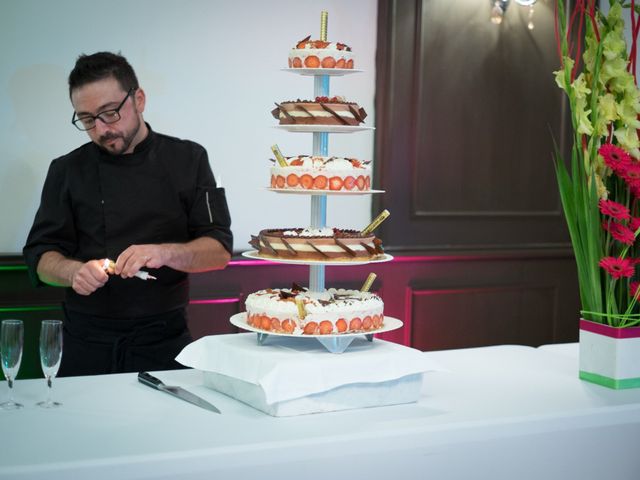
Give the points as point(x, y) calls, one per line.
point(318, 245)
point(322, 173)
point(319, 54)
point(330, 312)
point(321, 111)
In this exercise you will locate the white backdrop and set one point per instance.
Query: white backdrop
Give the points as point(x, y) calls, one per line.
point(211, 72)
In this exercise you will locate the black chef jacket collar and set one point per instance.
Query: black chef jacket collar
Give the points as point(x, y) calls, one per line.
point(141, 147)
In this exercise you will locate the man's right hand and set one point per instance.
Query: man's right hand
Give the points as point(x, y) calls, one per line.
point(89, 277)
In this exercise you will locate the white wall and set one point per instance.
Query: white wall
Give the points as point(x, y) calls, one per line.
point(211, 72)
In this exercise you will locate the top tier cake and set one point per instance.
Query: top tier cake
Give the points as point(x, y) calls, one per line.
point(320, 54)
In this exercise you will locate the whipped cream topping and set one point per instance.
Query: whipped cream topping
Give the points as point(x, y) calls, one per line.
point(338, 164)
point(331, 304)
point(326, 163)
point(310, 232)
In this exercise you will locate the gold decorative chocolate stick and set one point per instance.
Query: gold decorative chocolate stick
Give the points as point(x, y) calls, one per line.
point(279, 157)
point(324, 19)
point(368, 282)
point(376, 222)
point(301, 311)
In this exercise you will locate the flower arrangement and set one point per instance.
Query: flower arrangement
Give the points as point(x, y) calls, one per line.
point(600, 189)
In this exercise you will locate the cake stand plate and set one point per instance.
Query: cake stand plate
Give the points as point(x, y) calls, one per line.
point(324, 192)
point(334, 343)
point(324, 128)
point(332, 72)
point(253, 254)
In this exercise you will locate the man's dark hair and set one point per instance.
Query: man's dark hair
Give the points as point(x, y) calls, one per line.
point(101, 65)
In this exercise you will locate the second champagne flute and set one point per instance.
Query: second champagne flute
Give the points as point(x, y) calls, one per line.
point(50, 356)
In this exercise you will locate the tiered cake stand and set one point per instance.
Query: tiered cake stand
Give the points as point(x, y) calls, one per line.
point(335, 343)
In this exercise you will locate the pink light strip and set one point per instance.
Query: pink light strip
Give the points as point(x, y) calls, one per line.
point(217, 300)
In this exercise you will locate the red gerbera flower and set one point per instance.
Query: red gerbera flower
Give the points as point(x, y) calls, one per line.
point(631, 174)
point(621, 233)
point(617, 267)
point(634, 224)
point(615, 157)
point(633, 289)
point(614, 209)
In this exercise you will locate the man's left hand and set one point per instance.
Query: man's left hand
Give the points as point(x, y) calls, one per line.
point(136, 257)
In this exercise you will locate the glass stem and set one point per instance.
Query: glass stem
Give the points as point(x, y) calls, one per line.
point(49, 382)
point(10, 385)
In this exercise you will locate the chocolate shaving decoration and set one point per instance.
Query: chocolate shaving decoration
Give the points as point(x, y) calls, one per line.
point(276, 112)
point(345, 247)
point(305, 39)
point(297, 288)
point(305, 110)
point(324, 303)
point(255, 242)
point(317, 249)
point(289, 247)
point(284, 295)
point(268, 245)
point(363, 114)
point(371, 250)
point(378, 243)
point(356, 113)
point(332, 112)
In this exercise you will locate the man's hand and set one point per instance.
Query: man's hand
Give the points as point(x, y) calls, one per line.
point(89, 277)
point(136, 257)
point(199, 255)
point(84, 277)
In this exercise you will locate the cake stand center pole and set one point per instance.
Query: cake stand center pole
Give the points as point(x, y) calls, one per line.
point(319, 202)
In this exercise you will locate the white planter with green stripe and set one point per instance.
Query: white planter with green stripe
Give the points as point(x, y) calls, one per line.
point(610, 356)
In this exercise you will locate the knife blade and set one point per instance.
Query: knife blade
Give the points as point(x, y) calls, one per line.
point(153, 382)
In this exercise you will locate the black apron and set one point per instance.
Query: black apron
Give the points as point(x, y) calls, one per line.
point(96, 345)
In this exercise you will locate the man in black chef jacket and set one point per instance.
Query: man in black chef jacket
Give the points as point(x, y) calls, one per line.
point(143, 199)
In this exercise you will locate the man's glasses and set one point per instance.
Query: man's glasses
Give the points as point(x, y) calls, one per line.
point(87, 122)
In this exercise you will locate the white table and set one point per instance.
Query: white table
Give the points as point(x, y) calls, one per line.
point(507, 412)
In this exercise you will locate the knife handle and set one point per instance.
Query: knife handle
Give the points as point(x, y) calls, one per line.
point(150, 380)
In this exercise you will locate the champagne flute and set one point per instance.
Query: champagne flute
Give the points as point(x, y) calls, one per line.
point(12, 337)
point(50, 356)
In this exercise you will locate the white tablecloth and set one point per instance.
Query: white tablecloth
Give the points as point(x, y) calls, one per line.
point(499, 412)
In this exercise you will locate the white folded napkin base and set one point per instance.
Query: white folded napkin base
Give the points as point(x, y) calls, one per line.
point(351, 396)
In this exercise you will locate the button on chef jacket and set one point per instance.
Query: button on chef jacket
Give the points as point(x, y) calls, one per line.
point(94, 205)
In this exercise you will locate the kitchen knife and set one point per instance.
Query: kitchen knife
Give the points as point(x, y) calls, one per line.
point(153, 382)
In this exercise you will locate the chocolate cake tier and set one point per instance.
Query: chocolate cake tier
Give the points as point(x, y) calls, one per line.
point(302, 244)
point(322, 111)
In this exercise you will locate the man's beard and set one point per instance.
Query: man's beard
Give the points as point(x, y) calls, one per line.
point(127, 138)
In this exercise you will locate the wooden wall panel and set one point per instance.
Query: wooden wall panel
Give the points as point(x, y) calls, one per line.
point(466, 121)
point(477, 316)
